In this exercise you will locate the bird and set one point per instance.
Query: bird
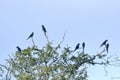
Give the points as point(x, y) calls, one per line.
point(44, 29)
point(31, 35)
point(18, 48)
point(107, 46)
point(83, 45)
point(77, 47)
point(104, 43)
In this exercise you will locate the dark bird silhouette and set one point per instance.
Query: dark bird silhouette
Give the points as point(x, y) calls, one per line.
point(18, 48)
point(83, 45)
point(44, 29)
point(107, 46)
point(104, 43)
point(77, 46)
point(31, 35)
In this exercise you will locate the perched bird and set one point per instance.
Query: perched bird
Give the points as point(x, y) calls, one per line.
point(104, 43)
point(107, 46)
point(83, 45)
point(31, 35)
point(44, 29)
point(77, 46)
point(18, 48)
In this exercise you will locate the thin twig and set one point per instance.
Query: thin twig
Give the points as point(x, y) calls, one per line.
point(4, 66)
point(63, 38)
point(33, 41)
point(46, 37)
point(8, 75)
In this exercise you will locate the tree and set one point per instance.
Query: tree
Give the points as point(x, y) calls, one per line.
point(50, 63)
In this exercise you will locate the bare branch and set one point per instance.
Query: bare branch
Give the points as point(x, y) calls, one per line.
point(63, 38)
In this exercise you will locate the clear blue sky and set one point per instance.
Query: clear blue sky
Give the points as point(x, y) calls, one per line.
point(91, 21)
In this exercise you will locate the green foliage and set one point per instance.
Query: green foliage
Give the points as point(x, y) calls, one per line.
point(50, 63)
point(1, 72)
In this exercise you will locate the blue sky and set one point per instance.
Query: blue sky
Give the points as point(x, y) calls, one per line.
point(91, 21)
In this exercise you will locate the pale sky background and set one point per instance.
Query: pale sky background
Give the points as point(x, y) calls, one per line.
point(91, 21)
